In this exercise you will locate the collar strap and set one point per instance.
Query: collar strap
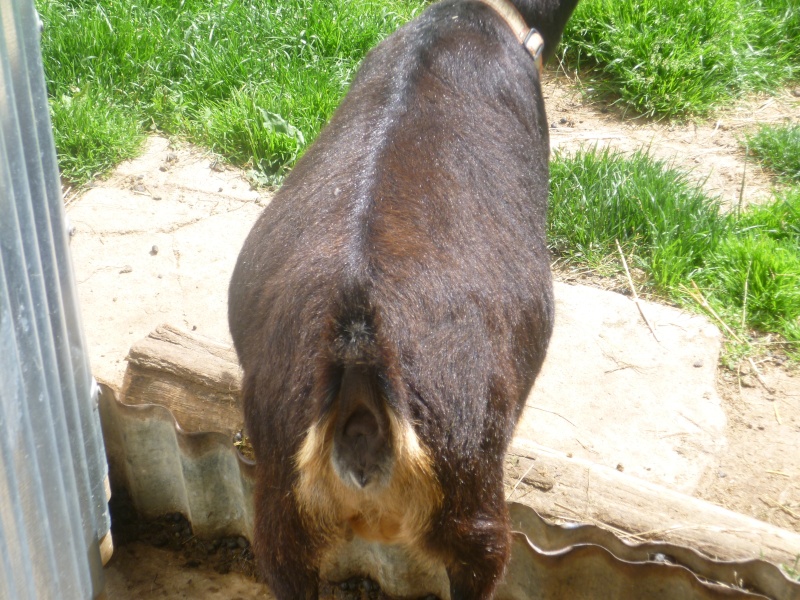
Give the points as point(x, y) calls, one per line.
point(530, 39)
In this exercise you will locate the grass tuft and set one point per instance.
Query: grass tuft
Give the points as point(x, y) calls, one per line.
point(677, 58)
point(92, 135)
point(761, 272)
point(747, 265)
point(779, 150)
point(654, 211)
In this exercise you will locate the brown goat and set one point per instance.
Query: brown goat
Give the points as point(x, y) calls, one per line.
point(392, 306)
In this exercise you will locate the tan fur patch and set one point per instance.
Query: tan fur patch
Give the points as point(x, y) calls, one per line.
point(398, 512)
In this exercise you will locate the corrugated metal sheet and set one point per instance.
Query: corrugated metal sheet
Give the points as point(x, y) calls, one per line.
point(167, 470)
point(53, 504)
point(203, 476)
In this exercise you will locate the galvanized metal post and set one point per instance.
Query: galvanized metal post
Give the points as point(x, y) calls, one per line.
point(53, 501)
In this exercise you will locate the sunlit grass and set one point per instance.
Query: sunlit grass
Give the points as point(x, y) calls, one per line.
point(778, 148)
point(747, 265)
point(213, 71)
point(681, 58)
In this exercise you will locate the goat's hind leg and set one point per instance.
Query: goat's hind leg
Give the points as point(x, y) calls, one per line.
point(478, 549)
point(285, 551)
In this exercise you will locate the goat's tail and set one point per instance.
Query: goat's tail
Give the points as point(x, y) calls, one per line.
point(363, 446)
point(362, 436)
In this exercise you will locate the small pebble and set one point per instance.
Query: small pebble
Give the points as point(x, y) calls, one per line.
point(661, 558)
point(620, 467)
point(154, 250)
point(126, 269)
point(697, 364)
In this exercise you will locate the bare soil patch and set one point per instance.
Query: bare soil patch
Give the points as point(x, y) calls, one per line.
point(759, 473)
point(709, 150)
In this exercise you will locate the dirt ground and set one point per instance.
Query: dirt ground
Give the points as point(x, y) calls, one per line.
point(711, 151)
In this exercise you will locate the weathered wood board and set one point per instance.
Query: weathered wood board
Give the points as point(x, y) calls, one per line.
point(197, 378)
point(564, 489)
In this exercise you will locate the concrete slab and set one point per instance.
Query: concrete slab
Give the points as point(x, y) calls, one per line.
point(609, 392)
point(156, 243)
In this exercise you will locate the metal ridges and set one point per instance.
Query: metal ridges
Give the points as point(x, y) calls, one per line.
point(53, 511)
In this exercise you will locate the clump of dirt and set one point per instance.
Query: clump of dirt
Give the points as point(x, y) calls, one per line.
point(242, 443)
point(358, 588)
point(174, 532)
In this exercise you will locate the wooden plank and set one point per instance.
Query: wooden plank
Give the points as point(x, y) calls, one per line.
point(567, 489)
point(197, 378)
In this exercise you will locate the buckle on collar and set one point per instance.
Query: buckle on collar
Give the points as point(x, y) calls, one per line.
point(534, 43)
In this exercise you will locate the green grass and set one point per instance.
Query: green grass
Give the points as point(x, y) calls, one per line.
point(252, 80)
point(92, 133)
point(793, 571)
point(778, 148)
point(680, 58)
point(747, 265)
point(757, 279)
point(655, 212)
point(761, 258)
